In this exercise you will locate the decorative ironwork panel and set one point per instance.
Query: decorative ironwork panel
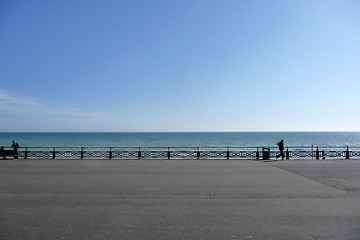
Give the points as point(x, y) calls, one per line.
point(129, 154)
point(118, 154)
point(154, 154)
point(125, 154)
point(68, 154)
point(96, 154)
point(301, 154)
point(355, 153)
point(242, 154)
point(39, 154)
point(250, 154)
point(213, 154)
point(334, 154)
point(162, 154)
point(234, 154)
point(274, 153)
point(183, 154)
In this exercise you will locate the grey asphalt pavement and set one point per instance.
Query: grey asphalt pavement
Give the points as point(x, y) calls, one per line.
point(179, 199)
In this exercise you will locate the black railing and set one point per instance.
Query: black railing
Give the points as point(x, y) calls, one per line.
point(256, 153)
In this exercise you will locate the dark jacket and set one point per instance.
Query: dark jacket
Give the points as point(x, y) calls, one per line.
point(15, 146)
point(281, 146)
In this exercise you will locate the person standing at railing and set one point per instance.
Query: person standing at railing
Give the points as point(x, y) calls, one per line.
point(281, 149)
point(15, 146)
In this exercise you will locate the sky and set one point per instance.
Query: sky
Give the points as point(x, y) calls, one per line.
point(172, 66)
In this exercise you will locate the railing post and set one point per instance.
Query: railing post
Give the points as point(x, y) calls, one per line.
point(198, 153)
point(323, 154)
point(168, 153)
point(287, 153)
point(110, 154)
point(227, 153)
point(54, 153)
point(347, 153)
point(317, 153)
point(139, 153)
point(257, 153)
point(82, 153)
point(26, 153)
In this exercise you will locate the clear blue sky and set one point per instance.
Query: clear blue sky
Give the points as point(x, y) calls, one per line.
point(180, 65)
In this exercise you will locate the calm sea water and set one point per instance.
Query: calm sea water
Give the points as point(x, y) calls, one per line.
point(180, 139)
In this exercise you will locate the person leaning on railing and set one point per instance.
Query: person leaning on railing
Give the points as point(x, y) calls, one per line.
point(15, 147)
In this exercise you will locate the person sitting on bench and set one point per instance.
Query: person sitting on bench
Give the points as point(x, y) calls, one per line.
point(2, 152)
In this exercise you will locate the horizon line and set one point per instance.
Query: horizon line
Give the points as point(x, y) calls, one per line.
point(294, 131)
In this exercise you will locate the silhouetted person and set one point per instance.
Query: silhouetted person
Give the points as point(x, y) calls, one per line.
point(281, 149)
point(15, 147)
point(2, 152)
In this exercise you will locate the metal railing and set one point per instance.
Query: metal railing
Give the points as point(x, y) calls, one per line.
point(256, 153)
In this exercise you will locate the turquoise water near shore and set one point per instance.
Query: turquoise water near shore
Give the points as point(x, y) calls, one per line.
point(181, 139)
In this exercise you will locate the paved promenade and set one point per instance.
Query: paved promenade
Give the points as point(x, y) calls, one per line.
point(179, 199)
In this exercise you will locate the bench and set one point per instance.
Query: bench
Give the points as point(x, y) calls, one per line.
point(5, 153)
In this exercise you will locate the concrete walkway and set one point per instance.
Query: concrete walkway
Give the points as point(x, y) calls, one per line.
point(179, 199)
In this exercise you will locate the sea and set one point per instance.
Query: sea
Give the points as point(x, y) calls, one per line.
point(179, 139)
